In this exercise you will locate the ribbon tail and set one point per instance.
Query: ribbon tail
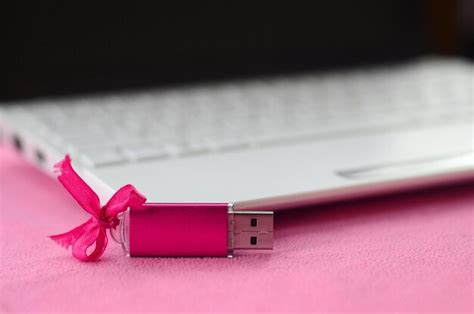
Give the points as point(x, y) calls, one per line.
point(93, 234)
point(68, 238)
point(77, 187)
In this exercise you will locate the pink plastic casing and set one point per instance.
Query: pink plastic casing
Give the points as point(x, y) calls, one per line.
point(178, 230)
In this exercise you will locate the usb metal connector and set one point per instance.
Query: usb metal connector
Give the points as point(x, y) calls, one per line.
point(194, 229)
point(249, 230)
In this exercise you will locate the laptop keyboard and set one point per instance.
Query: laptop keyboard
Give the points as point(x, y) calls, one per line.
point(158, 124)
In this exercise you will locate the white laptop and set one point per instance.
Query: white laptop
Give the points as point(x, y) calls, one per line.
point(267, 143)
point(266, 106)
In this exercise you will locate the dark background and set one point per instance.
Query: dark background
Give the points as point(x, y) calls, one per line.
point(70, 47)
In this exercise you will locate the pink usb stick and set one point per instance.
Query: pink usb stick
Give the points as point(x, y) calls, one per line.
point(193, 229)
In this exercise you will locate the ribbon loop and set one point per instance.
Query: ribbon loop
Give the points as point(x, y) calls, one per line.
point(93, 231)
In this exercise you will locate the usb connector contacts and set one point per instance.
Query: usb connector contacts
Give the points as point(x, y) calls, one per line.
point(194, 229)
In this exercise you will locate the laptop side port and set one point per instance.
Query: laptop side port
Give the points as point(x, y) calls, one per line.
point(40, 157)
point(17, 142)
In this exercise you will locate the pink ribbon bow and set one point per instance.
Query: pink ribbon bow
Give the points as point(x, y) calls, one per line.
point(103, 218)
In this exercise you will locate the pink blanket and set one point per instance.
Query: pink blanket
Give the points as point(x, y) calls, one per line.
point(410, 252)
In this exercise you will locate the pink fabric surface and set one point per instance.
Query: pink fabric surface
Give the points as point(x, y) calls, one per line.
point(410, 252)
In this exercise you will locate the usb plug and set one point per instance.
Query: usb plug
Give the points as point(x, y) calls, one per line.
point(249, 230)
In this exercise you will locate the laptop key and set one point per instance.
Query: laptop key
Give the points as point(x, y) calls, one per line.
point(102, 156)
point(146, 151)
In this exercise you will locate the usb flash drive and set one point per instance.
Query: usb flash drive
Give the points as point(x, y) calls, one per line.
point(194, 229)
